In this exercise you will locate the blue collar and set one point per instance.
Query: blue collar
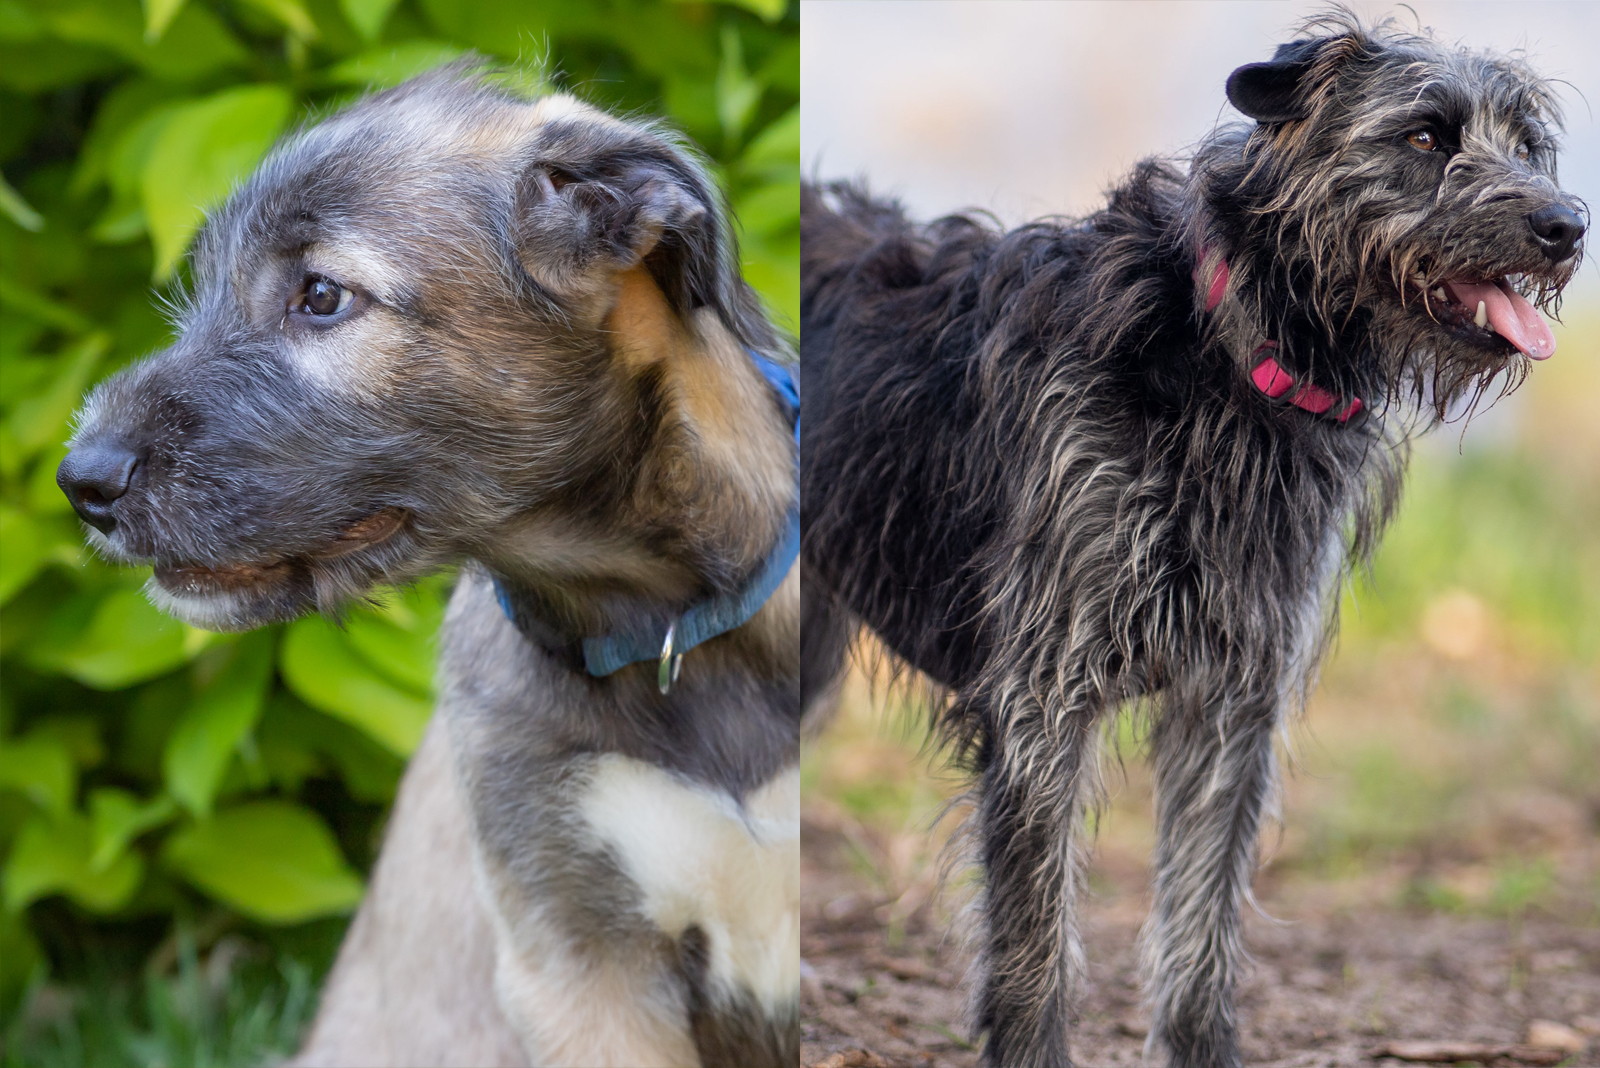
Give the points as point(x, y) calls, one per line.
point(706, 619)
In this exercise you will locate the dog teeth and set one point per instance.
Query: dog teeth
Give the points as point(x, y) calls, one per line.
point(1439, 294)
point(1482, 318)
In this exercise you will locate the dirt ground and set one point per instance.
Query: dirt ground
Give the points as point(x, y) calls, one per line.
point(1335, 982)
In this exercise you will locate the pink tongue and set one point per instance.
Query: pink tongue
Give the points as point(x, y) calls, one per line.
point(1512, 317)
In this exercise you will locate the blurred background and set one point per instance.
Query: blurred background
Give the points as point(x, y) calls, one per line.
point(186, 819)
point(1450, 761)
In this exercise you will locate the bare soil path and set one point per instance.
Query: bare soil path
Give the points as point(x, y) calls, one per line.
point(1331, 986)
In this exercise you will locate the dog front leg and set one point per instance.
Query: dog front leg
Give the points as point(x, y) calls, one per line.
point(414, 984)
point(1215, 772)
point(1034, 783)
point(574, 1011)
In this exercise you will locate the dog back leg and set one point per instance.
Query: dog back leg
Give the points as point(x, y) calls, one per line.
point(1038, 772)
point(1215, 773)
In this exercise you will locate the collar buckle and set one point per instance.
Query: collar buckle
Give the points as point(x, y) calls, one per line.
point(671, 662)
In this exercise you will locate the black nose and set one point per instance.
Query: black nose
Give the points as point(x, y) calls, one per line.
point(1558, 229)
point(92, 477)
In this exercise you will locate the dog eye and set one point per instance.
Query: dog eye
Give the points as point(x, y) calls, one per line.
point(325, 297)
point(1423, 140)
point(1524, 152)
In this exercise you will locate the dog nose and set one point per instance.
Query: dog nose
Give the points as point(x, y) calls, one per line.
point(1558, 229)
point(94, 476)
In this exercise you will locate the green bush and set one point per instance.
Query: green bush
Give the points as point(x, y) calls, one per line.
point(153, 775)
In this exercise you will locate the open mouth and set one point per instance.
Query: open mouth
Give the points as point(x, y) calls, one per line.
point(202, 580)
point(1490, 314)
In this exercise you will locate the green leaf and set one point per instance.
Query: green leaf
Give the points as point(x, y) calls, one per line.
point(17, 23)
point(382, 68)
point(781, 69)
point(116, 818)
point(507, 28)
point(24, 300)
point(44, 497)
point(129, 640)
point(403, 655)
point(773, 208)
point(194, 44)
point(770, 10)
point(158, 16)
point(776, 146)
point(42, 420)
point(23, 550)
point(222, 713)
point(737, 93)
point(367, 16)
point(17, 210)
point(656, 37)
point(42, 768)
point(273, 860)
point(772, 268)
point(124, 107)
point(201, 151)
point(120, 224)
point(37, 66)
point(692, 103)
point(290, 14)
point(296, 741)
point(52, 856)
point(79, 733)
point(323, 669)
point(55, 626)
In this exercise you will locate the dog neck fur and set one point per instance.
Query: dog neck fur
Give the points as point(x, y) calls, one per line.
point(708, 497)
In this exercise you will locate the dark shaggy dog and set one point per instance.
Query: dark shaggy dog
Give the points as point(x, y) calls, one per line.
point(448, 324)
point(1131, 459)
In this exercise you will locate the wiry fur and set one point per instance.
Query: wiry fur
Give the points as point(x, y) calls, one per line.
point(543, 372)
point(1036, 467)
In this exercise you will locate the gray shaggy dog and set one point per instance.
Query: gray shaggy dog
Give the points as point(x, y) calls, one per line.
point(449, 324)
point(1131, 458)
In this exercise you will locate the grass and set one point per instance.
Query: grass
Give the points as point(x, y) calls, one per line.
point(191, 1018)
point(208, 995)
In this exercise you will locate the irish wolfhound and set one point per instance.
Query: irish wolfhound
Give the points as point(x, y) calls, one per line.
point(1131, 459)
point(446, 325)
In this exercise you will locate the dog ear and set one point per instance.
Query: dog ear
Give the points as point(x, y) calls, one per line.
point(1271, 92)
point(585, 211)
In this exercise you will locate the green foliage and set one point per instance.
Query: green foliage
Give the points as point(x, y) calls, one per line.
point(269, 859)
point(148, 769)
point(227, 1010)
point(196, 153)
point(1500, 525)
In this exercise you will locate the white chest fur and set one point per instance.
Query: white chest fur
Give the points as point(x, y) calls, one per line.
point(700, 857)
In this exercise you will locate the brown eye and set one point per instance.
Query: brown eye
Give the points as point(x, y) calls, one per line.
point(1423, 140)
point(1524, 152)
point(325, 297)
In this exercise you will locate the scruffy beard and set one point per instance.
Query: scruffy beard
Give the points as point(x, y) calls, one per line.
point(1448, 345)
point(240, 595)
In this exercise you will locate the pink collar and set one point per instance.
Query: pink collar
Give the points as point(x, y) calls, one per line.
point(1267, 375)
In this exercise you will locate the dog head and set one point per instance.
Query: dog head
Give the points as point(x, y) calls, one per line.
point(445, 322)
point(1393, 216)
